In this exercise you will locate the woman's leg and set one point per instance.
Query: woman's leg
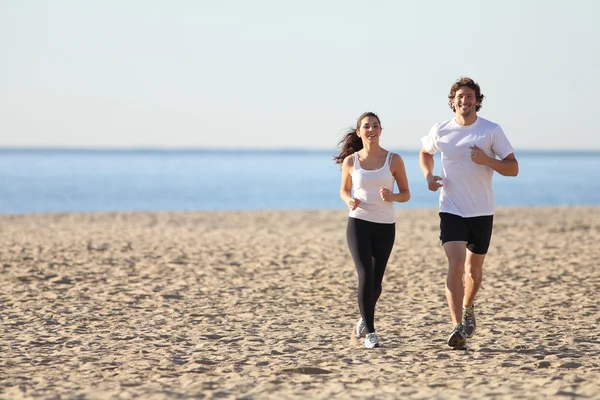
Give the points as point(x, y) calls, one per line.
point(359, 242)
point(383, 242)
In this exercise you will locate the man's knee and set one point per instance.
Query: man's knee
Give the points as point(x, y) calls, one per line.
point(456, 266)
point(474, 274)
point(455, 276)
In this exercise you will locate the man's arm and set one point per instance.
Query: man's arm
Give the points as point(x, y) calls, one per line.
point(426, 163)
point(509, 166)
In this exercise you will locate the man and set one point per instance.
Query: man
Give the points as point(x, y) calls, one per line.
point(472, 148)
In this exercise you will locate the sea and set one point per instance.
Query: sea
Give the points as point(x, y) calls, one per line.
point(84, 180)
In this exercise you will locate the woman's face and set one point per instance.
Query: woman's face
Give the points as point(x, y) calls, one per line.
point(369, 129)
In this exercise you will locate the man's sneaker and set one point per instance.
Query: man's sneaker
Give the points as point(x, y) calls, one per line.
point(468, 320)
point(361, 328)
point(371, 341)
point(458, 338)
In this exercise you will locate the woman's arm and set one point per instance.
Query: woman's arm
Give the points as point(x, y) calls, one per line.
point(346, 187)
point(399, 172)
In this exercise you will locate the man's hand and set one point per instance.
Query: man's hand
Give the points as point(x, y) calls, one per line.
point(433, 182)
point(478, 156)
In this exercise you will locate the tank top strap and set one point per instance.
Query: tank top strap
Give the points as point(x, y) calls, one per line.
point(388, 160)
point(356, 162)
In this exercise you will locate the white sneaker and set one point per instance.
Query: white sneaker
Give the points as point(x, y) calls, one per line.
point(361, 328)
point(371, 341)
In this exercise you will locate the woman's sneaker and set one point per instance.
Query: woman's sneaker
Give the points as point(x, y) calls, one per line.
point(458, 337)
point(468, 320)
point(371, 341)
point(361, 328)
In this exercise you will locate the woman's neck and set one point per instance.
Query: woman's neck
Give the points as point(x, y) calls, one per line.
point(371, 149)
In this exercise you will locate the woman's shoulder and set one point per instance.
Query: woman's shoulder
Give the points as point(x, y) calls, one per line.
point(395, 158)
point(349, 160)
point(390, 154)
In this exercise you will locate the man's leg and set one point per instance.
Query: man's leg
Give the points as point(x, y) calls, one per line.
point(454, 234)
point(473, 274)
point(480, 235)
point(455, 292)
point(473, 277)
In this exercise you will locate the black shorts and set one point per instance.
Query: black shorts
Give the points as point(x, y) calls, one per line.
point(476, 231)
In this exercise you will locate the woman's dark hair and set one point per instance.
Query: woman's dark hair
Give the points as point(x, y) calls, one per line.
point(351, 142)
point(471, 84)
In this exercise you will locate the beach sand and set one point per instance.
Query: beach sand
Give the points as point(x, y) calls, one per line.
point(262, 305)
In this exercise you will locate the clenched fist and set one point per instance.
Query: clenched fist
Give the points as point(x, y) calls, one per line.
point(433, 182)
point(386, 194)
point(353, 204)
point(478, 156)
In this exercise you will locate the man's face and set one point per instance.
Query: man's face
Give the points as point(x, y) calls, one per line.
point(465, 102)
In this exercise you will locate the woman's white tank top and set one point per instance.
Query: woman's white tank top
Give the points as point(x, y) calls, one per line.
point(366, 185)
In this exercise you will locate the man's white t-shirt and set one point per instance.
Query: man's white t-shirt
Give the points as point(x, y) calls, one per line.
point(467, 187)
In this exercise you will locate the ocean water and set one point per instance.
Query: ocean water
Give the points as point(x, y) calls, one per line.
point(50, 180)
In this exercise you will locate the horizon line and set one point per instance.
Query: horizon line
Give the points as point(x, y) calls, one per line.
point(241, 149)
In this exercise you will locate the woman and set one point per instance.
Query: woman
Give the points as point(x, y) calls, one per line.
point(371, 171)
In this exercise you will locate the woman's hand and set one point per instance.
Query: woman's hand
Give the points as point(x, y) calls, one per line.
point(353, 204)
point(386, 194)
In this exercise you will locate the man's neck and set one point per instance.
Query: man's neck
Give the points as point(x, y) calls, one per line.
point(466, 121)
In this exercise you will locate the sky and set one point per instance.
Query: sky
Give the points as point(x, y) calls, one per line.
point(281, 74)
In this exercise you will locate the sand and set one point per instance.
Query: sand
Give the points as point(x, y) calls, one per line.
point(261, 305)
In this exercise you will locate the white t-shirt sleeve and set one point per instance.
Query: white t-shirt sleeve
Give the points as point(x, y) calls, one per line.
point(500, 144)
point(430, 141)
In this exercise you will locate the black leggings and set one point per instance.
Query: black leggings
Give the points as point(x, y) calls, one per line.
point(370, 244)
